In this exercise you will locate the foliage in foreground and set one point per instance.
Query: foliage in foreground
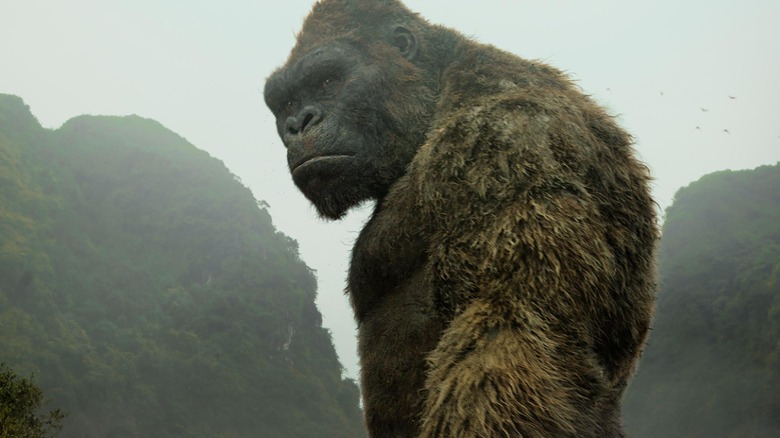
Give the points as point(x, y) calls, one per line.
point(20, 401)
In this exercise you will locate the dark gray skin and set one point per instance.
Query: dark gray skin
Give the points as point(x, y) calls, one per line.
point(504, 284)
point(341, 151)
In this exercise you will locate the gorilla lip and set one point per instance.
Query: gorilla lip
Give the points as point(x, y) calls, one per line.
point(309, 161)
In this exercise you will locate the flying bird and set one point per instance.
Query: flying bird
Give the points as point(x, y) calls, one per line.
point(732, 97)
point(726, 131)
point(705, 110)
point(698, 128)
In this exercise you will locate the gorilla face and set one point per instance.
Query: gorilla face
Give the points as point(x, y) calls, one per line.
point(334, 113)
point(327, 115)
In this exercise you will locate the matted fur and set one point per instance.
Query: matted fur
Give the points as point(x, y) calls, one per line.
point(505, 283)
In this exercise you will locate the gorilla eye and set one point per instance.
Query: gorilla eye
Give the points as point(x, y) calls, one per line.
point(288, 106)
point(327, 83)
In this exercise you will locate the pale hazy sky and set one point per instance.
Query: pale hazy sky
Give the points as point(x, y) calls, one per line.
point(199, 69)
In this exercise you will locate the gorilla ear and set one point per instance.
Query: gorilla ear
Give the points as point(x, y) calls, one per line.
point(405, 41)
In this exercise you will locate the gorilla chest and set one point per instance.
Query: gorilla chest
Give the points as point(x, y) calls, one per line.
point(389, 255)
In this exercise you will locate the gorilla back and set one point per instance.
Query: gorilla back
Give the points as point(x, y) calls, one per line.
point(504, 285)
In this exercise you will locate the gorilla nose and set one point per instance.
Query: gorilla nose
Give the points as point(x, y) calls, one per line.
point(307, 117)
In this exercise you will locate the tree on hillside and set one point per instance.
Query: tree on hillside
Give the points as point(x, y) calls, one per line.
point(20, 401)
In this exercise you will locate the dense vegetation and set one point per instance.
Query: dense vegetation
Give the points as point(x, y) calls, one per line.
point(149, 293)
point(712, 366)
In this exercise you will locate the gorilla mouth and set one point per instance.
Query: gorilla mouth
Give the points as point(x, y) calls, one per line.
point(306, 162)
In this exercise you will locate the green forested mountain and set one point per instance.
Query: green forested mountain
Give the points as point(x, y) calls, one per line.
point(149, 293)
point(712, 365)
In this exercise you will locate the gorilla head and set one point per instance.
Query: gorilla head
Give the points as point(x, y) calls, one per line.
point(352, 103)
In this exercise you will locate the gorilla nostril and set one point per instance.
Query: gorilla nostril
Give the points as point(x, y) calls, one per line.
point(308, 117)
point(292, 125)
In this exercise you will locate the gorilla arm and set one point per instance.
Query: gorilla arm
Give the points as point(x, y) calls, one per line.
point(514, 359)
point(520, 262)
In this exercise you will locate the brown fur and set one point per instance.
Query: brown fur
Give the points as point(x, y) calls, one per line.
point(505, 284)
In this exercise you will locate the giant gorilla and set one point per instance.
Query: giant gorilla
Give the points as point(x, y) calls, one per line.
point(504, 285)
